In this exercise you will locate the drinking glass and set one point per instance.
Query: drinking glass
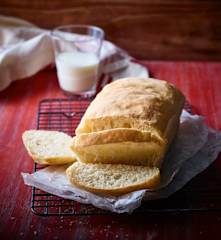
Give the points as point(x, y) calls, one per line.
point(77, 55)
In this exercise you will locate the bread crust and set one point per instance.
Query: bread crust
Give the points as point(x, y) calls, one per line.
point(116, 135)
point(127, 111)
point(136, 103)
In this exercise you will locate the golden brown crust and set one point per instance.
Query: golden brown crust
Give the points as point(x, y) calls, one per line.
point(130, 110)
point(133, 103)
point(116, 135)
point(53, 160)
point(130, 153)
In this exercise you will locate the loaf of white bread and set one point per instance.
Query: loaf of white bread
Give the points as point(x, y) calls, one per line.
point(123, 136)
point(121, 140)
point(131, 121)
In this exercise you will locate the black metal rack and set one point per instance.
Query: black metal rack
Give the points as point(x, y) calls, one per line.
point(203, 193)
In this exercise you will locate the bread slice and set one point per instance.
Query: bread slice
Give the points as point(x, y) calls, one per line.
point(112, 179)
point(120, 145)
point(48, 147)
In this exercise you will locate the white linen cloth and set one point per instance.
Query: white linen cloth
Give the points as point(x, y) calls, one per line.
point(195, 148)
point(26, 49)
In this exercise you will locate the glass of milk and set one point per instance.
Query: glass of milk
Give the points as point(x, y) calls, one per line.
point(77, 54)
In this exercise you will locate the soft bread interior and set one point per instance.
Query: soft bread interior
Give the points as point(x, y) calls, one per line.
point(48, 147)
point(112, 179)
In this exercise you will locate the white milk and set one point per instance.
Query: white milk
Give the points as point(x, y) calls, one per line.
point(77, 71)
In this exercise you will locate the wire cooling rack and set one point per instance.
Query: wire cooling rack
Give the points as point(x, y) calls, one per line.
point(203, 193)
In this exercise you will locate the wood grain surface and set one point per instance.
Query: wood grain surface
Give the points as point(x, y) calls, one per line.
point(172, 29)
point(200, 82)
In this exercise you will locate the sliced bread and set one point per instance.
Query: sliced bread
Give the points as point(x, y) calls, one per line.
point(119, 146)
point(131, 121)
point(112, 179)
point(48, 147)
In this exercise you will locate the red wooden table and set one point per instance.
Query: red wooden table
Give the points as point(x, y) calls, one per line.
point(201, 84)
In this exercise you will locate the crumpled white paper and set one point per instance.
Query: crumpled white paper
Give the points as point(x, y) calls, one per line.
point(194, 149)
